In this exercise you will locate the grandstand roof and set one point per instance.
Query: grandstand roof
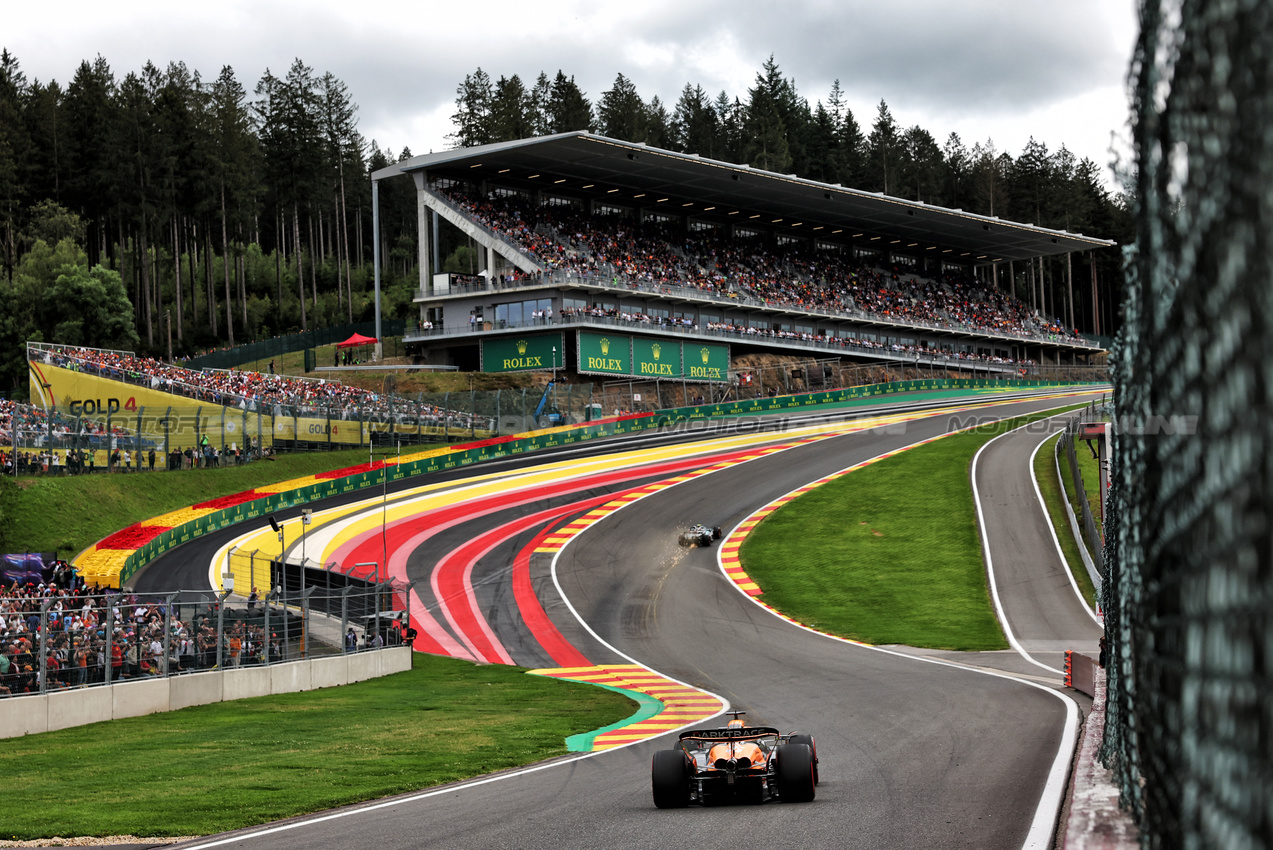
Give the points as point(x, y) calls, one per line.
point(586, 165)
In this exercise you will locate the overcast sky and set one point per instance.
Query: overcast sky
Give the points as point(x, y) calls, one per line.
point(985, 69)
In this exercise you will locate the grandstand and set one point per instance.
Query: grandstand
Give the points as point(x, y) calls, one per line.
point(674, 263)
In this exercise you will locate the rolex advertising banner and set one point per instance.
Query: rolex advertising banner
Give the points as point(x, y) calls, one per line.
point(656, 358)
point(523, 353)
point(606, 354)
point(651, 357)
point(706, 362)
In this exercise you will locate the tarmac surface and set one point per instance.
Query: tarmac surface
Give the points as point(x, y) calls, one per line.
point(915, 752)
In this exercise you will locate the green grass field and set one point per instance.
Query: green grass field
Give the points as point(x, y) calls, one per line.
point(888, 554)
point(218, 767)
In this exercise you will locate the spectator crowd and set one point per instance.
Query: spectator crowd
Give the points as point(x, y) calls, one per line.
point(652, 256)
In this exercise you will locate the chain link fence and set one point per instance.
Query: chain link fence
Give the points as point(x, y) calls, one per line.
point(57, 641)
point(1188, 597)
point(230, 358)
point(1093, 540)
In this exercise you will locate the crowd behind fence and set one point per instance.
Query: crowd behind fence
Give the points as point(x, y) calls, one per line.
point(57, 638)
point(69, 441)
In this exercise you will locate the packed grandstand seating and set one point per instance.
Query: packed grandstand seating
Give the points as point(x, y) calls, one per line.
point(652, 255)
point(250, 391)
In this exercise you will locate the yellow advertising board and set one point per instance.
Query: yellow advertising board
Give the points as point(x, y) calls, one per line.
point(159, 418)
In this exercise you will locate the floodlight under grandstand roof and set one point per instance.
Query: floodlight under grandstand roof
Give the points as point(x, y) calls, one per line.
point(585, 165)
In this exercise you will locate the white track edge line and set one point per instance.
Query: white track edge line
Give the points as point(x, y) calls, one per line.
point(1056, 541)
point(990, 566)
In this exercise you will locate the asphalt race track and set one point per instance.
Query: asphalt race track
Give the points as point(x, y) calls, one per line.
point(914, 753)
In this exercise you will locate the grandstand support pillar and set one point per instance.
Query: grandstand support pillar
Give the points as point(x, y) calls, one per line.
point(167, 439)
point(437, 260)
point(422, 228)
point(375, 255)
point(490, 266)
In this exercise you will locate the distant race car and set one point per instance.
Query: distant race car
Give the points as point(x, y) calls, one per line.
point(735, 764)
point(699, 535)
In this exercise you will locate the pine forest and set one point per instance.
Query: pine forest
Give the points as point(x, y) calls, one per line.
point(171, 214)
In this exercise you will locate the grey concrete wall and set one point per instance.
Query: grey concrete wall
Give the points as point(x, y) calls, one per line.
point(31, 715)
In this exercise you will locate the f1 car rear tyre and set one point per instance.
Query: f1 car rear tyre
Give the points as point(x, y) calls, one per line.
point(795, 773)
point(813, 747)
point(669, 779)
point(716, 533)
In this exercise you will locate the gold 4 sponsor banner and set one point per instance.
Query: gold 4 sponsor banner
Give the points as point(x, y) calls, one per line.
point(605, 354)
point(524, 353)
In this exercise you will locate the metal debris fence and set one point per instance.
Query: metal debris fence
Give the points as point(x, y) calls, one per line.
point(1092, 537)
point(61, 642)
point(1188, 598)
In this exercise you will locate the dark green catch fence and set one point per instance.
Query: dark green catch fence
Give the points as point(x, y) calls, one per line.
point(1188, 595)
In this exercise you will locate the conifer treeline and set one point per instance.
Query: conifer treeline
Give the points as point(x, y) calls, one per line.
point(231, 213)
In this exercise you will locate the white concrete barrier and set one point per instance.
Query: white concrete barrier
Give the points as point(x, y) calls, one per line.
point(24, 715)
point(290, 678)
point(330, 672)
point(138, 698)
point(79, 707)
point(36, 713)
point(195, 689)
point(245, 682)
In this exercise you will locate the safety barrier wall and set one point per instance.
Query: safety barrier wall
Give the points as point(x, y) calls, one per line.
point(500, 447)
point(31, 715)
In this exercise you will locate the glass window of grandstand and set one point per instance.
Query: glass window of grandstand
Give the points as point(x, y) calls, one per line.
point(708, 318)
point(804, 329)
point(760, 323)
point(519, 313)
point(570, 304)
point(657, 313)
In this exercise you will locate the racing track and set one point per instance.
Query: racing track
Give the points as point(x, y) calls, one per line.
point(913, 753)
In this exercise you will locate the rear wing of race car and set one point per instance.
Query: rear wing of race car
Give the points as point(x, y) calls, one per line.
point(730, 732)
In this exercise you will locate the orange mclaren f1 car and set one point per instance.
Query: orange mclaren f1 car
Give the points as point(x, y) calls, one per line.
point(735, 763)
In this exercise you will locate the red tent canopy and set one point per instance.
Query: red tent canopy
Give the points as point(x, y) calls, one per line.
point(356, 339)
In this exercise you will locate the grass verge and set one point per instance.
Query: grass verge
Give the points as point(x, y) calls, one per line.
point(888, 554)
point(218, 767)
point(69, 514)
point(1054, 497)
